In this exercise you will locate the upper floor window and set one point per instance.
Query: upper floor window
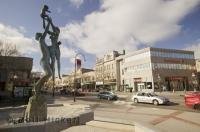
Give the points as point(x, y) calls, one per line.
point(172, 55)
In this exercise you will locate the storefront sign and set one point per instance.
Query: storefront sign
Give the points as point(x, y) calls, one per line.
point(18, 91)
point(22, 91)
point(99, 83)
point(176, 61)
point(137, 79)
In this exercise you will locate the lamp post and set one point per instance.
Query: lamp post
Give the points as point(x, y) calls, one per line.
point(33, 77)
point(194, 81)
point(75, 65)
point(103, 81)
point(159, 80)
point(14, 80)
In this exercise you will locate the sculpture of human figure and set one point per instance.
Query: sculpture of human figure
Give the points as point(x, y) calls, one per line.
point(44, 15)
point(55, 49)
point(45, 60)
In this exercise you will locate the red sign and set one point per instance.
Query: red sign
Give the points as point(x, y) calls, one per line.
point(137, 79)
point(78, 63)
point(176, 78)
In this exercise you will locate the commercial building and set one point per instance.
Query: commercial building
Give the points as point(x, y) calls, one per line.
point(14, 72)
point(88, 81)
point(153, 69)
point(84, 79)
point(106, 71)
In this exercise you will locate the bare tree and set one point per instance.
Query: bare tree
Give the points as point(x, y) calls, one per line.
point(8, 49)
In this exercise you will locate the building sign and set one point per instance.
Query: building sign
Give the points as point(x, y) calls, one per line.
point(176, 61)
point(137, 79)
point(99, 83)
point(22, 91)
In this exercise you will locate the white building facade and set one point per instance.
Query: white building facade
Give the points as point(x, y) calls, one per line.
point(150, 69)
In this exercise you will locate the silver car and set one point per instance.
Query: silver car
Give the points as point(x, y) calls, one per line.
point(149, 98)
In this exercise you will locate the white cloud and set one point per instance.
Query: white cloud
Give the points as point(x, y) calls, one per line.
point(14, 36)
point(36, 69)
point(194, 47)
point(124, 24)
point(67, 52)
point(76, 3)
point(22, 29)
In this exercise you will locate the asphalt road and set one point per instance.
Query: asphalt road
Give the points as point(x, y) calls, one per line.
point(120, 109)
point(176, 102)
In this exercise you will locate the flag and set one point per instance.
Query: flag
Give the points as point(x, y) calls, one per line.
point(78, 64)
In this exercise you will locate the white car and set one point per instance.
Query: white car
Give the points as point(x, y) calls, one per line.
point(149, 98)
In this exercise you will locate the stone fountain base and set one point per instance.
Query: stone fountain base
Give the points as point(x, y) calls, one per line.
point(59, 117)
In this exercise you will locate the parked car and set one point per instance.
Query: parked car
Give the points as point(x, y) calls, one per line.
point(65, 91)
point(192, 100)
point(107, 95)
point(77, 93)
point(148, 97)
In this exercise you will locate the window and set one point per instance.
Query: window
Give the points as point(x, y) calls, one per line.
point(140, 94)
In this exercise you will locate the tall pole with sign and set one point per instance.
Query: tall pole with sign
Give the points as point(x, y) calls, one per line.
point(75, 67)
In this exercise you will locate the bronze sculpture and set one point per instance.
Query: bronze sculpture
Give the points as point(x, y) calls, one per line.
point(37, 107)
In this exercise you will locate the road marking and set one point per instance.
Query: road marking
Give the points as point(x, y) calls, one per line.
point(187, 121)
point(119, 111)
point(165, 117)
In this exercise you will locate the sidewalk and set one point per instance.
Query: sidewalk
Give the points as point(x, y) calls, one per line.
point(140, 119)
point(162, 119)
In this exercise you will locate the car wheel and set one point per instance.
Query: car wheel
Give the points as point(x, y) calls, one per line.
point(197, 106)
point(135, 100)
point(155, 102)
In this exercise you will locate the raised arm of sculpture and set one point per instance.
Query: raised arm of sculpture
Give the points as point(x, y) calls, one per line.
point(58, 57)
point(45, 60)
point(46, 29)
point(55, 45)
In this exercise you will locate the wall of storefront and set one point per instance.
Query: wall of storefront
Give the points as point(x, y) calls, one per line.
point(14, 72)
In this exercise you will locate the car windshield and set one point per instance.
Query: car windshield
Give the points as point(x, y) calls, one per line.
point(110, 93)
point(152, 94)
point(106, 93)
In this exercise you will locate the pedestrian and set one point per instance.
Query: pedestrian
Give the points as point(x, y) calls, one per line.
point(164, 88)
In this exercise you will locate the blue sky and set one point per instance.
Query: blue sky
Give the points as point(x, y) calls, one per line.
point(94, 27)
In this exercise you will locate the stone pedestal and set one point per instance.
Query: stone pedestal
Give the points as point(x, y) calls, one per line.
point(36, 109)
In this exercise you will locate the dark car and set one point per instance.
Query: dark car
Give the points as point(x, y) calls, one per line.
point(192, 99)
point(107, 95)
point(77, 93)
point(65, 91)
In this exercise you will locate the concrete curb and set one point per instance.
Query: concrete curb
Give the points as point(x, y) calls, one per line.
point(24, 106)
point(139, 126)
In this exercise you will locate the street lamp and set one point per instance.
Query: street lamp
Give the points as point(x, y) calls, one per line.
point(194, 81)
point(159, 80)
point(75, 66)
point(14, 80)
